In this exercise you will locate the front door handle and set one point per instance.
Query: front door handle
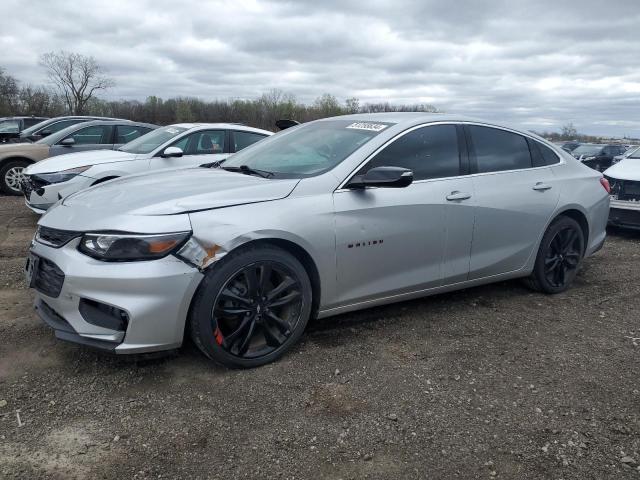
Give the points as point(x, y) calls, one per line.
point(456, 195)
point(541, 186)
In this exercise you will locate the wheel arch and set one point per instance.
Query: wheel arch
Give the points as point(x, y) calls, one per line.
point(303, 256)
point(300, 253)
point(12, 158)
point(580, 217)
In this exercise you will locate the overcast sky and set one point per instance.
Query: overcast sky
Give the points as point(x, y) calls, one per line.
point(538, 64)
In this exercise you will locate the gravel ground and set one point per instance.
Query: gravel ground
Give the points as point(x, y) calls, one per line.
point(492, 382)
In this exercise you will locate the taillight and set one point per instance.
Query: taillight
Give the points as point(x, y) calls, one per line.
point(605, 184)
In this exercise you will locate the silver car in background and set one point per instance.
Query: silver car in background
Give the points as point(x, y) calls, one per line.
point(323, 218)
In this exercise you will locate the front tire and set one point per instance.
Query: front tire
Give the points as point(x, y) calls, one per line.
point(251, 307)
point(11, 175)
point(559, 256)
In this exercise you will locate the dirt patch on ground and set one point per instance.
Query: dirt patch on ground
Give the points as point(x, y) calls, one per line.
point(492, 382)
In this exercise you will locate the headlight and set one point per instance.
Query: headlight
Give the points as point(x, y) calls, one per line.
point(126, 247)
point(63, 176)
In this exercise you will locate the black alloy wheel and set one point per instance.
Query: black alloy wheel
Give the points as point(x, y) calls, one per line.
point(251, 307)
point(563, 256)
point(257, 310)
point(559, 256)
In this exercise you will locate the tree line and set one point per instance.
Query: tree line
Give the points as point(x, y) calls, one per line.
point(75, 79)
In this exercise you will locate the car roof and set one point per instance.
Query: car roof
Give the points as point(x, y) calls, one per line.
point(115, 122)
point(225, 126)
point(410, 119)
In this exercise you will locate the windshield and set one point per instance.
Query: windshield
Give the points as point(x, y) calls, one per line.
point(634, 152)
point(587, 150)
point(152, 140)
point(10, 126)
point(307, 150)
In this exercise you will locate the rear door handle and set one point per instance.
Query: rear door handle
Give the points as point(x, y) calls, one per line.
point(541, 186)
point(456, 195)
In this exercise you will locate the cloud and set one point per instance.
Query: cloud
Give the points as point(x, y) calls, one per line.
point(535, 64)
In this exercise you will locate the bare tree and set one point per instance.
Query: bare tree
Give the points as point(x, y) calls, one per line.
point(76, 76)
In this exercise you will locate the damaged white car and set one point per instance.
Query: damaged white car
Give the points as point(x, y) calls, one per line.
point(174, 146)
point(624, 178)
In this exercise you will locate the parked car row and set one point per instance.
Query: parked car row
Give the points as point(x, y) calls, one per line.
point(174, 146)
point(76, 136)
point(242, 250)
point(597, 156)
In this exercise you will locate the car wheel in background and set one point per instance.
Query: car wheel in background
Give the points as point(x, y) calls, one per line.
point(559, 256)
point(11, 176)
point(251, 307)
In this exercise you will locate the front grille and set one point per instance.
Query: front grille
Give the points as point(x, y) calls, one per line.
point(55, 237)
point(32, 183)
point(625, 189)
point(47, 277)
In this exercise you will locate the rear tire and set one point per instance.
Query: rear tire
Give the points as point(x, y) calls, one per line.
point(559, 256)
point(251, 307)
point(10, 176)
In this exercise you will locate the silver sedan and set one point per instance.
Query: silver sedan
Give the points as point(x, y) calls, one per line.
point(327, 217)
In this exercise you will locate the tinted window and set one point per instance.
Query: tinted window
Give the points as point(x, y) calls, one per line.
point(542, 155)
point(430, 152)
point(97, 134)
point(498, 150)
point(244, 139)
point(126, 133)
point(202, 143)
point(57, 126)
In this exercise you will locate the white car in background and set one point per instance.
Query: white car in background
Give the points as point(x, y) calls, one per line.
point(173, 146)
point(624, 179)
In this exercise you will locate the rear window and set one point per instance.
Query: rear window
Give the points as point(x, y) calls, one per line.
point(498, 150)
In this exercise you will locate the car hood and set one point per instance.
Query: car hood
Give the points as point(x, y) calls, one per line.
point(79, 159)
point(179, 191)
point(626, 169)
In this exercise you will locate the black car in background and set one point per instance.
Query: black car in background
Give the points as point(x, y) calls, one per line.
point(597, 156)
point(10, 127)
point(52, 125)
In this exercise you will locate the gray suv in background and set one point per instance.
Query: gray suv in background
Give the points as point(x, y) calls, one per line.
point(53, 125)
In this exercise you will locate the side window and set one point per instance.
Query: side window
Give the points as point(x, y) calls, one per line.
point(431, 152)
point(498, 150)
point(202, 143)
point(542, 155)
point(57, 126)
point(126, 133)
point(97, 134)
point(244, 139)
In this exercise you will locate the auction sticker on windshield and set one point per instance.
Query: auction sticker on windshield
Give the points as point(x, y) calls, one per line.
point(374, 127)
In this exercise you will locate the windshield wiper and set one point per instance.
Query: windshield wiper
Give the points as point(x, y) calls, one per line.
point(247, 170)
point(215, 164)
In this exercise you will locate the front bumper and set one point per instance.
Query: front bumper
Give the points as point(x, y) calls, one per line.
point(155, 295)
point(39, 198)
point(624, 214)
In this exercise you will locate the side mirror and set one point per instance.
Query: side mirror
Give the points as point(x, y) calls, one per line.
point(383, 177)
point(172, 152)
point(68, 142)
point(44, 133)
